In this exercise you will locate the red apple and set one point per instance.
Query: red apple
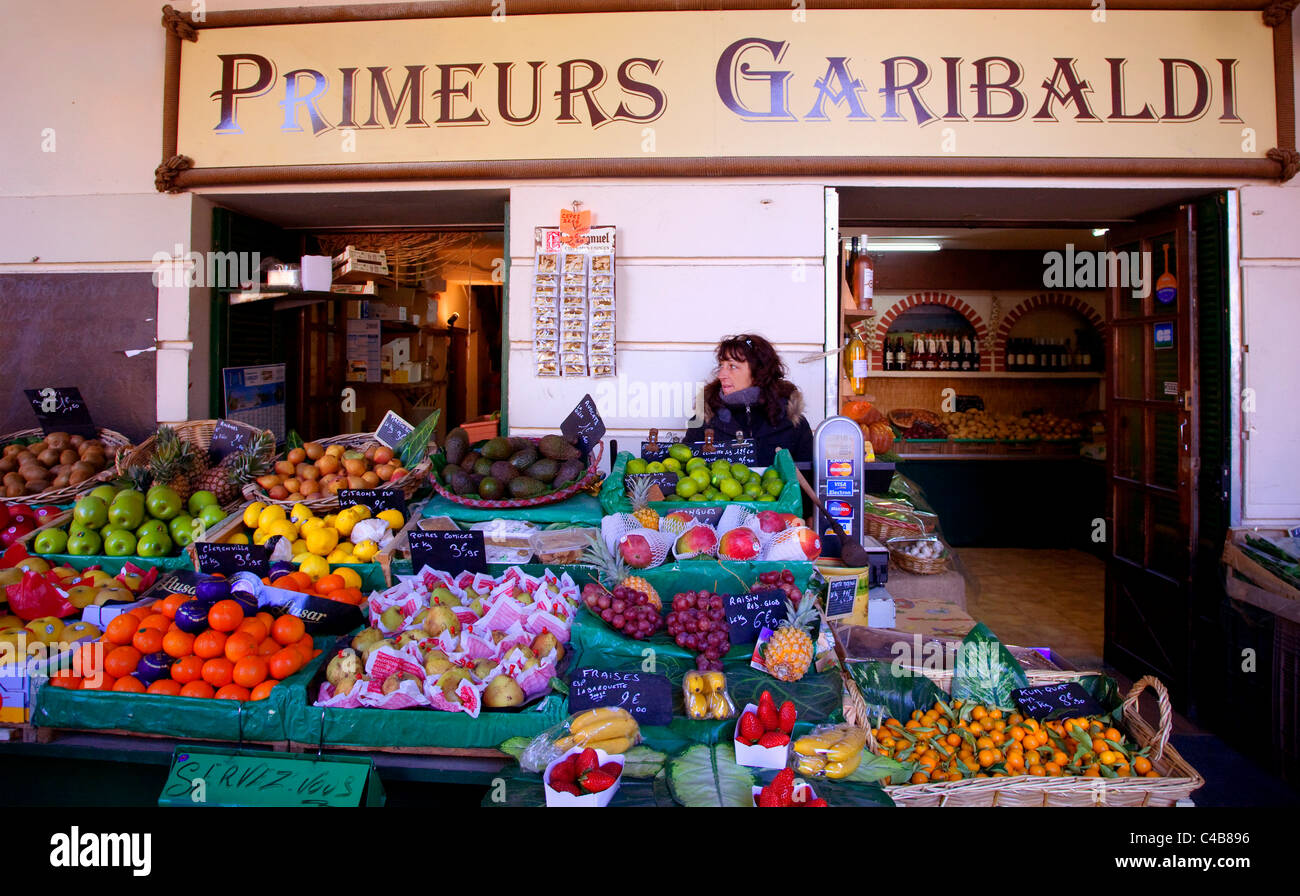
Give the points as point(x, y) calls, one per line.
point(16, 530)
point(635, 550)
point(771, 521)
point(740, 543)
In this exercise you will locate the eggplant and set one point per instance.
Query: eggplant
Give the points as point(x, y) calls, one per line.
point(209, 591)
point(192, 616)
point(153, 667)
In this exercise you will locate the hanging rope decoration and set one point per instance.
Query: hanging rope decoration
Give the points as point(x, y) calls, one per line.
point(412, 257)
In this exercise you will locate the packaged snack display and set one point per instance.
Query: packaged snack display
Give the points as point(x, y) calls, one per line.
point(830, 751)
point(573, 303)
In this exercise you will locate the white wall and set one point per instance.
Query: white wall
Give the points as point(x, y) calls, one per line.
point(695, 263)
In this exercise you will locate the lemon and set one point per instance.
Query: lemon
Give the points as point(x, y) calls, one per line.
point(284, 529)
point(322, 541)
point(346, 521)
point(300, 558)
point(338, 556)
point(350, 577)
point(238, 538)
point(330, 519)
point(260, 536)
point(365, 552)
point(300, 512)
point(315, 567)
point(270, 514)
point(394, 518)
point(362, 511)
point(299, 547)
point(253, 513)
point(314, 522)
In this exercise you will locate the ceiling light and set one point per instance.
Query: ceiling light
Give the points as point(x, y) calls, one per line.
point(1100, 231)
point(903, 246)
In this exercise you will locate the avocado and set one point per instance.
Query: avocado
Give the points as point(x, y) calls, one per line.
point(456, 445)
point(483, 466)
point(525, 487)
point(523, 459)
point(543, 470)
point(497, 449)
point(461, 483)
point(477, 480)
point(468, 461)
point(491, 488)
point(519, 443)
point(503, 471)
point(569, 471)
point(557, 448)
point(449, 471)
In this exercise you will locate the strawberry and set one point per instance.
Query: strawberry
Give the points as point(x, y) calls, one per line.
point(564, 770)
point(585, 762)
point(767, 798)
point(787, 716)
point(612, 768)
point(597, 780)
point(765, 703)
point(568, 787)
point(750, 728)
point(746, 741)
point(783, 787)
point(819, 803)
point(773, 739)
point(768, 717)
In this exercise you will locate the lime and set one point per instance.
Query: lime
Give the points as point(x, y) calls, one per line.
point(654, 467)
point(721, 466)
point(679, 452)
point(687, 487)
point(771, 473)
point(753, 489)
point(635, 466)
point(672, 465)
point(766, 498)
point(730, 487)
point(695, 462)
point(698, 498)
point(701, 477)
point(712, 494)
point(741, 473)
point(774, 487)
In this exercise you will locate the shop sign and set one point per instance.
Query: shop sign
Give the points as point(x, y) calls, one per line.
point(846, 86)
point(211, 776)
point(1163, 335)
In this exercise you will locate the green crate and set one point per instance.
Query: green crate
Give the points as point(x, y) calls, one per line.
point(613, 497)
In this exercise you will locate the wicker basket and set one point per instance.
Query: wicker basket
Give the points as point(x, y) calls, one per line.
point(514, 504)
point(358, 441)
point(111, 439)
point(883, 528)
point(1179, 780)
point(197, 432)
point(922, 566)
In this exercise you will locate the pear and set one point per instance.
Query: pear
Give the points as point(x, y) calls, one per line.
point(503, 691)
point(545, 642)
point(366, 637)
point(392, 683)
point(442, 595)
point(345, 684)
point(391, 619)
point(498, 637)
point(373, 646)
point(450, 680)
point(411, 634)
point(346, 665)
point(436, 662)
point(418, 619)
point(476, 606)
point(483, 667)
point(441, 619)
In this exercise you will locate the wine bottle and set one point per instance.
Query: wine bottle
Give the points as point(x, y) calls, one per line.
point(900, 354)
point(855, 364)
point(889, 354)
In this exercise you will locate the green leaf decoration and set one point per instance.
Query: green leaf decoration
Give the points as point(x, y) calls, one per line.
point(292, 440)
point(415, 446)
point(986, 672)
point(558, 685)
point(643, 762)
point(709, 777)
point(895, 688)
point(874, 769)
point(514, 747)
point(849, 792)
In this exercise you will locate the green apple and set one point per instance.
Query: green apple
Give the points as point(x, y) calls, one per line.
point(154, 545)
point(105, 493)
point(199, 500)
point(162, 502)
point(152, 527)
point(211, 515)
point(119, 543)
point(51, 541)
point(181, 529)
point(91, 512)
point(126, 513)
point(85, 543)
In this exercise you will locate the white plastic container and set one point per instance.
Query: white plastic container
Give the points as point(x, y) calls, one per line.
point(756, 756)
point(556, 798)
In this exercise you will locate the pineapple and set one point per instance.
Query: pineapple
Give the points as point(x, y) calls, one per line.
point(789, 652)
point(176, 463)
point(641, 509)
point(613, 572)
point(237, 469)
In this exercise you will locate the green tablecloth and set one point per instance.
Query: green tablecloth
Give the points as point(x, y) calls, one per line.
point(581, 509)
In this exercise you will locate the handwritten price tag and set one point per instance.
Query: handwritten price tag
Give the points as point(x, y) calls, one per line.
point(1050, 701)
point(649, 698)
point(749, 614)
point(573, 223)
point(452, 552)
point(62, 410)
point(228, 559)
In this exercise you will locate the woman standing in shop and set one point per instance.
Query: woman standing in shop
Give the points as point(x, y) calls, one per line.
point(752, 396)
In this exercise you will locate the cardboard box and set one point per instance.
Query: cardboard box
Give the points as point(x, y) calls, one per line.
point(395, 353)
point(363, 351)
point(352, 253)
point(317, 273)
point(387, 311)
point(556, 798)
point(100, 616)
point(359, 272)
point(355, 289)
point(756, 756)
point(358, 309)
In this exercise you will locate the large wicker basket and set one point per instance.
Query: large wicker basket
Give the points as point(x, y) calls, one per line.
point(1179, 780)
point(113, 441)
point(359, 441)
point(197, 432)
point(591, 475)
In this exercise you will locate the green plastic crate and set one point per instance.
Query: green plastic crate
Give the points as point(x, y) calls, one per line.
point(613, 497)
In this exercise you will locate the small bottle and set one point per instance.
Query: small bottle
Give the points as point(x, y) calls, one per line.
point(1031, 355)
point(864, 277)
point(855, 364)
point(900, 354)
point(889, 354)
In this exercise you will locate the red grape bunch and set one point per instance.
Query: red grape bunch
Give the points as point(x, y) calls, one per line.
point(779, 581)
point(627, 610)
point(698, 622)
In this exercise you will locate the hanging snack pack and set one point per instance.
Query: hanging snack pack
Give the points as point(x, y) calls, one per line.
point(573, 303)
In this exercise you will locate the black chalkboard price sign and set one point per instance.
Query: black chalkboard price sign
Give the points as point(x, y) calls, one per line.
point(376, 499)
point(649, 698)
point(748, 614)
point(392, 429)
point(1052, 701)
point(228, 559)
point(707, 515)
point(584, 425)
point(62, 409)
point(667, 482)
point(229, 437)
point(732, 452)
point(452, 552)
point(841, 596)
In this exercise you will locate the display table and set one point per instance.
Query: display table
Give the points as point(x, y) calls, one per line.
point(581, 509)
point(946, 587)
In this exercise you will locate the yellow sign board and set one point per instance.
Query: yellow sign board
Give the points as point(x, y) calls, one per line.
point(964, 84)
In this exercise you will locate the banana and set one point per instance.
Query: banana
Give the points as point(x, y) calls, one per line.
point(850, 744)
point(565, 743)
point(595, 716)
point(843, 769)
point(811, 744)
point(697, 706)
point(720, 705)
point(613, 745)
point(604, 730)
point(696, 683)
point(716, 681)
point(810, 765)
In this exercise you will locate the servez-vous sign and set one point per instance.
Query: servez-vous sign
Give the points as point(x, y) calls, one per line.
point(843, 83)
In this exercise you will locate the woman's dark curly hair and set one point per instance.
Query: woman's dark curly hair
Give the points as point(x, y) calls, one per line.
point(766, 369)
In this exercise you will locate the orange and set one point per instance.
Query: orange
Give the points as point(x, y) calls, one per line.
point(232, 692)
point(105, 683)
point(129, 683)
point(287, 582)
point(178, 644)
point(89, 658)
point(1141, 765)
point(122, 661)
point(121, 629)
point(148, 640)
point(170, 605)
point(250, 671)
point(268, 647)
point(331, 582)
point(167, 686)
point(349, 596)
point(65, 679)
point(197, 689)
point(254, 626)
point(225, 615)
point(304, 580)
point(284, 663)
point(263, 690)
point(305, 647)
point(266, 619)
point(142, 611)
point(187, 669)
point(210, 644)
point(288, 630)
point(240, 645)
point(218, 672)
point(156, 620)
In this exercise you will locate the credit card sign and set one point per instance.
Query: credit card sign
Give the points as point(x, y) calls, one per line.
point(839, 469)
point(839, 488)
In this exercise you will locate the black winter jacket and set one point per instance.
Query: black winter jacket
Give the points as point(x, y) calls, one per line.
point(792, 432)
